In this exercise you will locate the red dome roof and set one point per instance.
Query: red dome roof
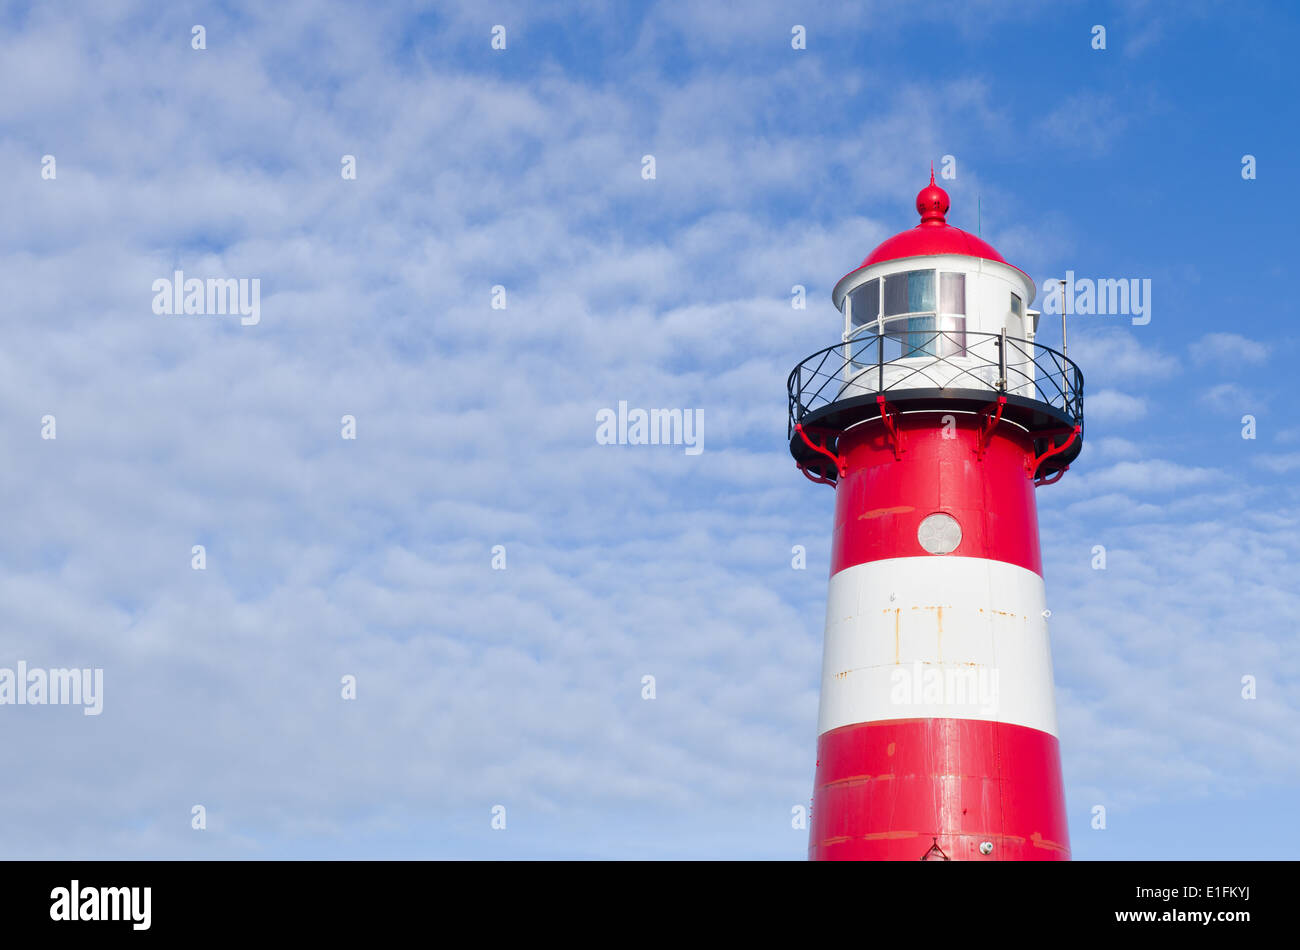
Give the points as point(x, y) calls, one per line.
point(933, 235)
point(927, 239)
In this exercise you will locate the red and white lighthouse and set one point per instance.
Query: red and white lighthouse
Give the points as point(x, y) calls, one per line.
point(935, 418)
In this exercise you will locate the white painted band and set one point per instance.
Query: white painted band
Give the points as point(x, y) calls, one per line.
point(937, 637)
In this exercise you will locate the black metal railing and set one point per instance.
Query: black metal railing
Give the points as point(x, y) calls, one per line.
point(935, 359)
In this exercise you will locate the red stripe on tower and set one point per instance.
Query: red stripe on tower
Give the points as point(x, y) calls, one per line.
point(935, 418)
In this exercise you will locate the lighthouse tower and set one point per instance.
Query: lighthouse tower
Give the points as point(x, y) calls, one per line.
point(935, 418)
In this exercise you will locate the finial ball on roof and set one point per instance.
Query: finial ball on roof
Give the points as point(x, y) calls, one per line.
point(932, 203)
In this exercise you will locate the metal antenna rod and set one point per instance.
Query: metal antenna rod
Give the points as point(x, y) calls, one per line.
point(1065, 348)
point(1002, 361)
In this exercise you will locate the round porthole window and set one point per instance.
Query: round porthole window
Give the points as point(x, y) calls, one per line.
point(939, 533)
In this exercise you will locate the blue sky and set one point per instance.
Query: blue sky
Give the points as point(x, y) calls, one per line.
point(476, 426)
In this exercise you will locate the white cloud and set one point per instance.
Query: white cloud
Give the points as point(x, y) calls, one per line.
point(1227, 351)
point(1088, 122)
point(1112, 406)
point(1118, 356)
point(1155, 475)
point(1113, 447)
point(1230, 398)
point(1280, 464)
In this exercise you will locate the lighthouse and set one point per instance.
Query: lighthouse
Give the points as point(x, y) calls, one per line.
point(935, 418)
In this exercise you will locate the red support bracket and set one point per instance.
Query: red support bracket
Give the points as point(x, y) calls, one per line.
point(891, 425)
point(819, 479)
point(1034, 463)
point(1053, 479)
point(988, 422)
point(841, 465)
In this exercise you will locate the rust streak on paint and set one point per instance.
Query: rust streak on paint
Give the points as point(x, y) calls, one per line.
point(1040, 842)
point(879, 836)
point(897, 613)
point(881, 512)
point(939, 639)
point(889, 835)
point(856, 780)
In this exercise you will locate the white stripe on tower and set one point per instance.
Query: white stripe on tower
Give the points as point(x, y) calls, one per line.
point(943, 637)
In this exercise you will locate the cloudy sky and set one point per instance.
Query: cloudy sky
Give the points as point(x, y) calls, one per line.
point(522, 168)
